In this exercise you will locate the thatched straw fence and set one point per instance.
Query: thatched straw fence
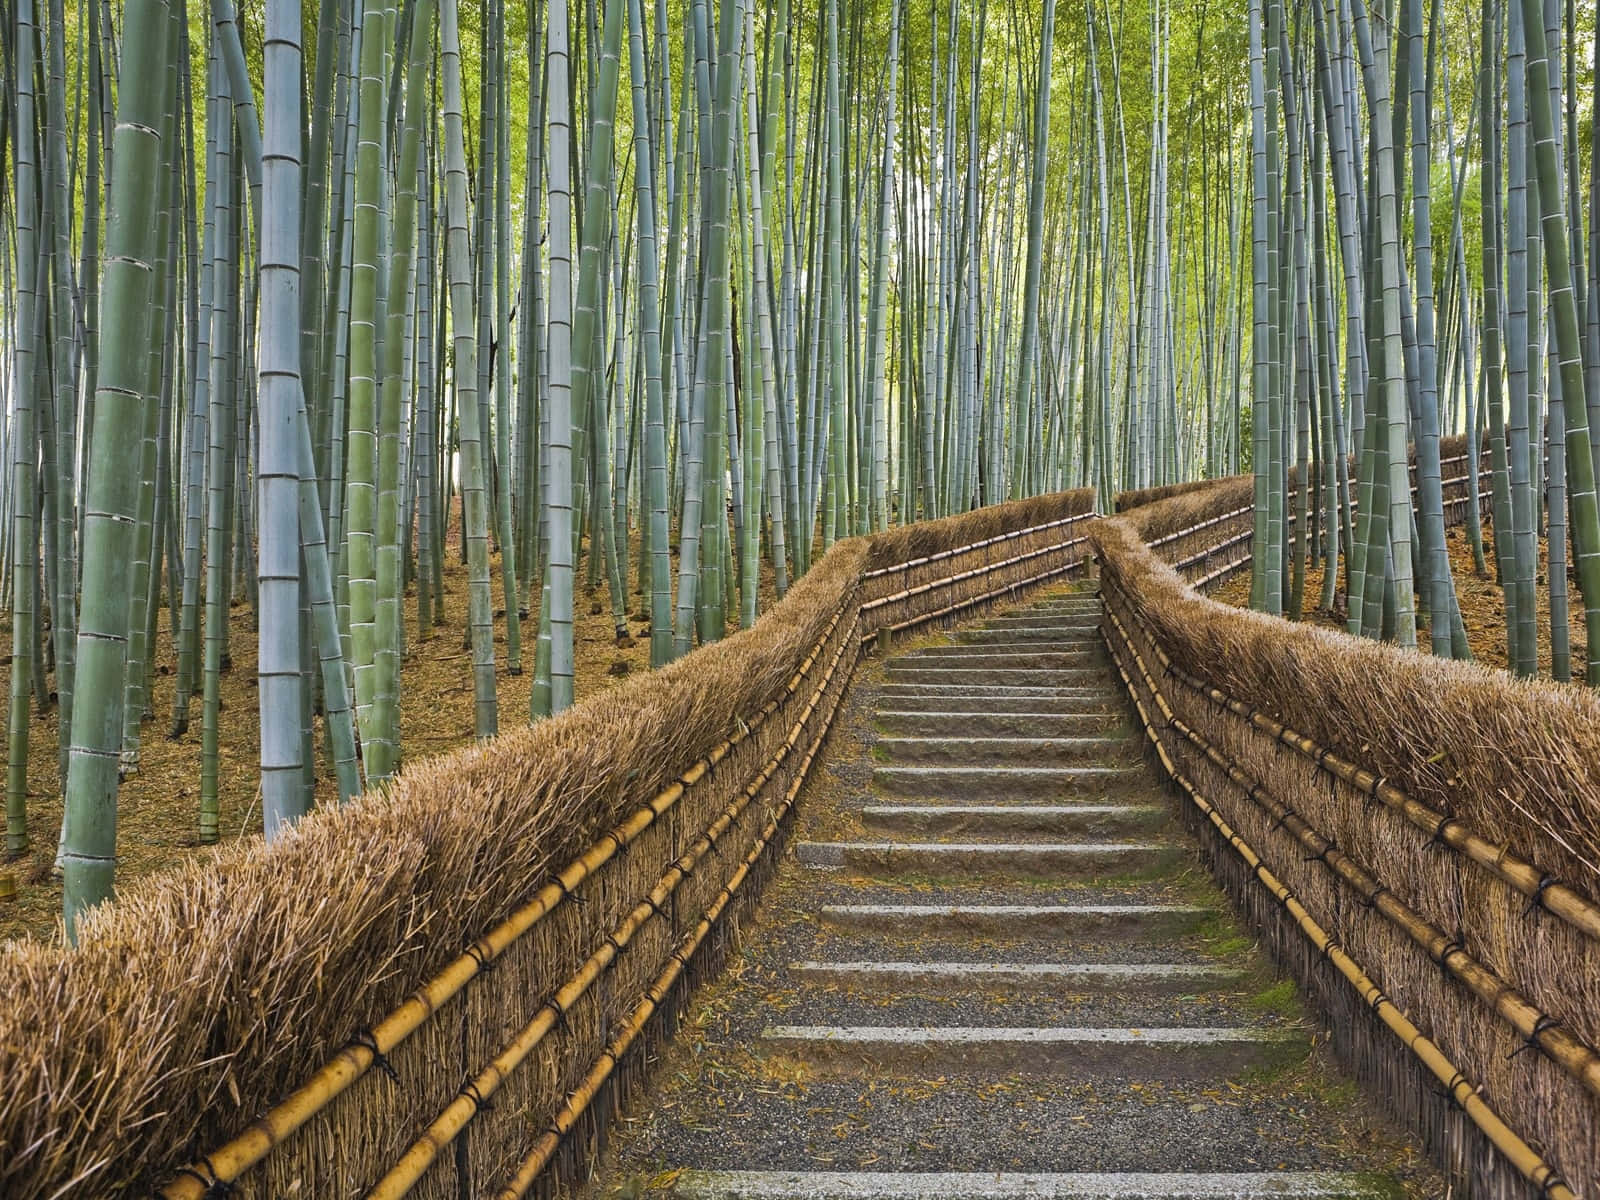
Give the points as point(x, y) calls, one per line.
point(1418, 840)
point(447, 988)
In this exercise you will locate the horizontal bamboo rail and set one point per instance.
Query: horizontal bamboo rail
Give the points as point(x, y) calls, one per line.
point(1510, 1145)
point(1541, 889)
point(1238, 513)
point(983, 597)
point(971, 547)
point(1535, 1027)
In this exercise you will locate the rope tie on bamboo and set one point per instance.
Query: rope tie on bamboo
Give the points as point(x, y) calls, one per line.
point(215, 1188)
point(1457, 1080)
point(1531, 1042)
point(657, 909)
point(1437, 837)
point(480, 1102)
point(1321, 856)
point(480, 955)
point(1552, 1181)
point(364, 1039)
point(1370, 901)
point(1546, 882)
point(560, 1011)
point(1451, 945)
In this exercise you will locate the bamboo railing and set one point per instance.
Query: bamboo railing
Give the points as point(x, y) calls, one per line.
point(1211, 551)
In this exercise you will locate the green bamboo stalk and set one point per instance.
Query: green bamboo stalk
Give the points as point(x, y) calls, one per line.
point(458, 260)
point(143, 103)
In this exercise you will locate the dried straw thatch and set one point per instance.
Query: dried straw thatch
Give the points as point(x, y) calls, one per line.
point(1138, 497)
point(1515, 763)
point(204, 994)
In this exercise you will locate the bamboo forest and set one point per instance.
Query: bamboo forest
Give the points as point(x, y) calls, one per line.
point(800, 599)
point(634, 308)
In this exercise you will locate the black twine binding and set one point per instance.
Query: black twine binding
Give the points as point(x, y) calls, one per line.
point(1437, 838)
point(1531, 1042)
point(1546, 882)
point(218, 1187)
point(479, 955)
point(480, 1103)
point(561, 1018)
point(363, 1037)
point(1451, 946)
point(1552, 1181)
point(657, 909)
point(1321, 856)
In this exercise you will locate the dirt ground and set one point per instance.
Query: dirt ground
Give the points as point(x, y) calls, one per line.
point(158, 807)
point(1483, 608)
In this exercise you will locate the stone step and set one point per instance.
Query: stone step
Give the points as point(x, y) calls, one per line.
point(978, 723)
point(1135, 921)
point(1054, 660)
point(1051, 978)
point(1011, 751)
point(924, 697)
point(1169, 1054)
point(1060, 625)
point(971, 784)
point(1031, 633)
point(1011, 645)
point(905, 671)
point(1058, 860)
point(1010, 820)
point(984, 1185)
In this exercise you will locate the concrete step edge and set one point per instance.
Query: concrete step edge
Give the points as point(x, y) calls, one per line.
point(960, 1185)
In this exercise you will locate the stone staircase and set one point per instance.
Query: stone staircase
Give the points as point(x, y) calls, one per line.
point(1000, 974)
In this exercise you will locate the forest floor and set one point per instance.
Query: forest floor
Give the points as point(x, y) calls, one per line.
point(158, 806)
point(1483, 607)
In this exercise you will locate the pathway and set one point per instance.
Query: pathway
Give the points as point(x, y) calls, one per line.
point(1000, 974)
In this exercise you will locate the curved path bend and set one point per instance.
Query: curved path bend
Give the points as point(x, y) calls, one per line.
point(992, 967)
